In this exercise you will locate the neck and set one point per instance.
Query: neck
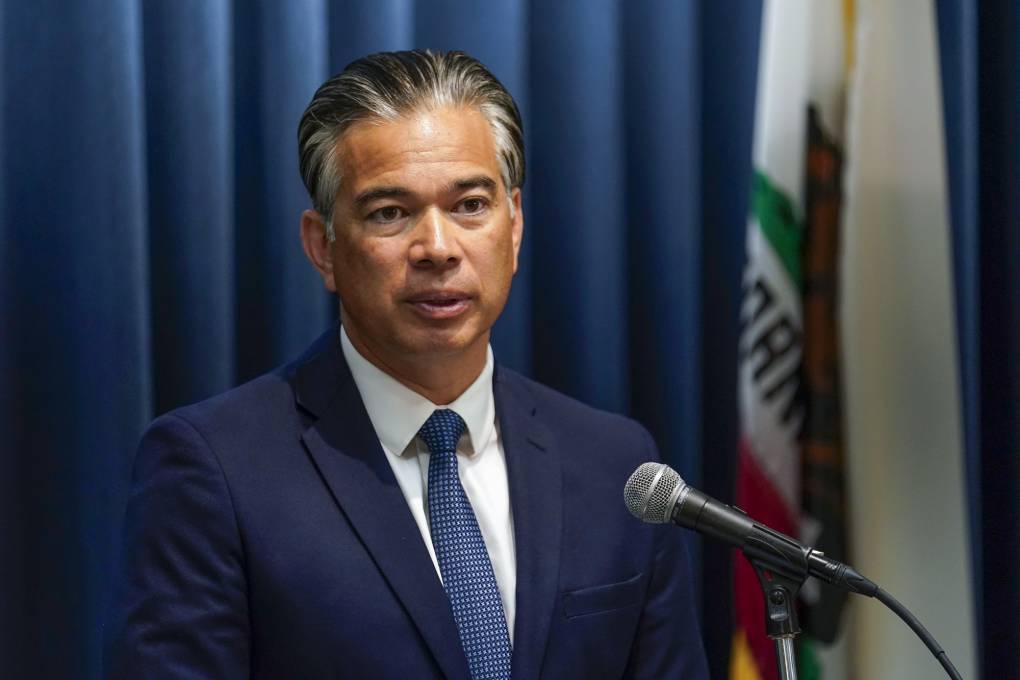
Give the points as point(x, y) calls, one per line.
point(440, 379)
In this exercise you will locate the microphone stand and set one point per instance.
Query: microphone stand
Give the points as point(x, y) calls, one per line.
point(781, 563)
point(780, 588)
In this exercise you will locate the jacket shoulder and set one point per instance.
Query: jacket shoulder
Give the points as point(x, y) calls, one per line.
point(577, 421)
point(268, 395)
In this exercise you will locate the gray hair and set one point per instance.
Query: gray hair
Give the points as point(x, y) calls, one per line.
point(388, 85)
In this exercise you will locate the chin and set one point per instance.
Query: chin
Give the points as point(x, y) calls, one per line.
point(446, 343)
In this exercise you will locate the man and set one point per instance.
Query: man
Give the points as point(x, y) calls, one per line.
point(393, 504)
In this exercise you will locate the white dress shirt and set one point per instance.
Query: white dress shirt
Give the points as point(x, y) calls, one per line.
point(397, 413)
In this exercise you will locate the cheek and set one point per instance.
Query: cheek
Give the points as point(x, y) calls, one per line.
point(495, 262)
point(503, 250)
point(368, 269)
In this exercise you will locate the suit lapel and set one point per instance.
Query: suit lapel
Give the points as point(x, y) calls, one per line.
point(535, 480)
point(347, 452)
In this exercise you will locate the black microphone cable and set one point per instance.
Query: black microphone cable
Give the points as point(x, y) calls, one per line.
point(915, 625)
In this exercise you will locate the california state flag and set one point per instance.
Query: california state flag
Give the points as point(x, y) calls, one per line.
point(796, 36)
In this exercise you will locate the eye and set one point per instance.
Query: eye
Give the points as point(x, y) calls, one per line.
point(472, 206)
point(387, 214)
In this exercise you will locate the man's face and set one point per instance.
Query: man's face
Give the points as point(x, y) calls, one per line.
point(425, 244)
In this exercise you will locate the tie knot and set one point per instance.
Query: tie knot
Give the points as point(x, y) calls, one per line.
point(442, 431)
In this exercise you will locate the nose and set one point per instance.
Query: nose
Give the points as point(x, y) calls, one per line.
point(435, 244)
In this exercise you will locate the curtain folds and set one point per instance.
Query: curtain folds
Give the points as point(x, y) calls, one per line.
point(980, 54)
point(149, 252)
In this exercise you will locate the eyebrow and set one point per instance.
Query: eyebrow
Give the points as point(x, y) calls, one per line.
point(476, 182)
point(377, 193)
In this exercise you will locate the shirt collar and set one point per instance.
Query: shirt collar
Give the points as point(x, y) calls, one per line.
point(398, 412)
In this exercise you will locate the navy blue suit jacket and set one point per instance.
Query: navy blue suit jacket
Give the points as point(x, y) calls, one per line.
point(266, 537)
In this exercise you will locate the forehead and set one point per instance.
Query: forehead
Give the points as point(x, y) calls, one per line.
point(421, 148)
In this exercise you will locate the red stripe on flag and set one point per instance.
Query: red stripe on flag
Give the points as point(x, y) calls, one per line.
point(757, 496)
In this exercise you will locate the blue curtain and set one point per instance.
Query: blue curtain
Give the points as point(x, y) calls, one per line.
point(729, 71)
point(149, 254)
point(980, 55)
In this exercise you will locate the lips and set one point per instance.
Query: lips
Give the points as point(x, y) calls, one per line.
point(440, 304)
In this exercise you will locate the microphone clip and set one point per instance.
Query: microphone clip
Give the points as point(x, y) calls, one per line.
point(780, 590)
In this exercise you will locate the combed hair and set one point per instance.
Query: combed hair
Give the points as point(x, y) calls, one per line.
point(388, 85)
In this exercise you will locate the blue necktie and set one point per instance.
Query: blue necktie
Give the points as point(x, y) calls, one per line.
point(463, 560)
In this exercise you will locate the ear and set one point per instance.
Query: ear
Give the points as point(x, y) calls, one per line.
point(517, 233)
point(318, 247)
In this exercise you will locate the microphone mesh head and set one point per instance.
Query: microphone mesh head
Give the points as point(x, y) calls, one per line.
point(651, 492)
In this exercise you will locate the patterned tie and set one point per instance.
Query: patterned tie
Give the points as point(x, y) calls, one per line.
point(463, 560)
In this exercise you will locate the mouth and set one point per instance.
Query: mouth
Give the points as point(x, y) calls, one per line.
point(440, 304)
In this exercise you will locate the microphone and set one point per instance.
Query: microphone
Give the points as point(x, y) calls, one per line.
point(655, 493)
